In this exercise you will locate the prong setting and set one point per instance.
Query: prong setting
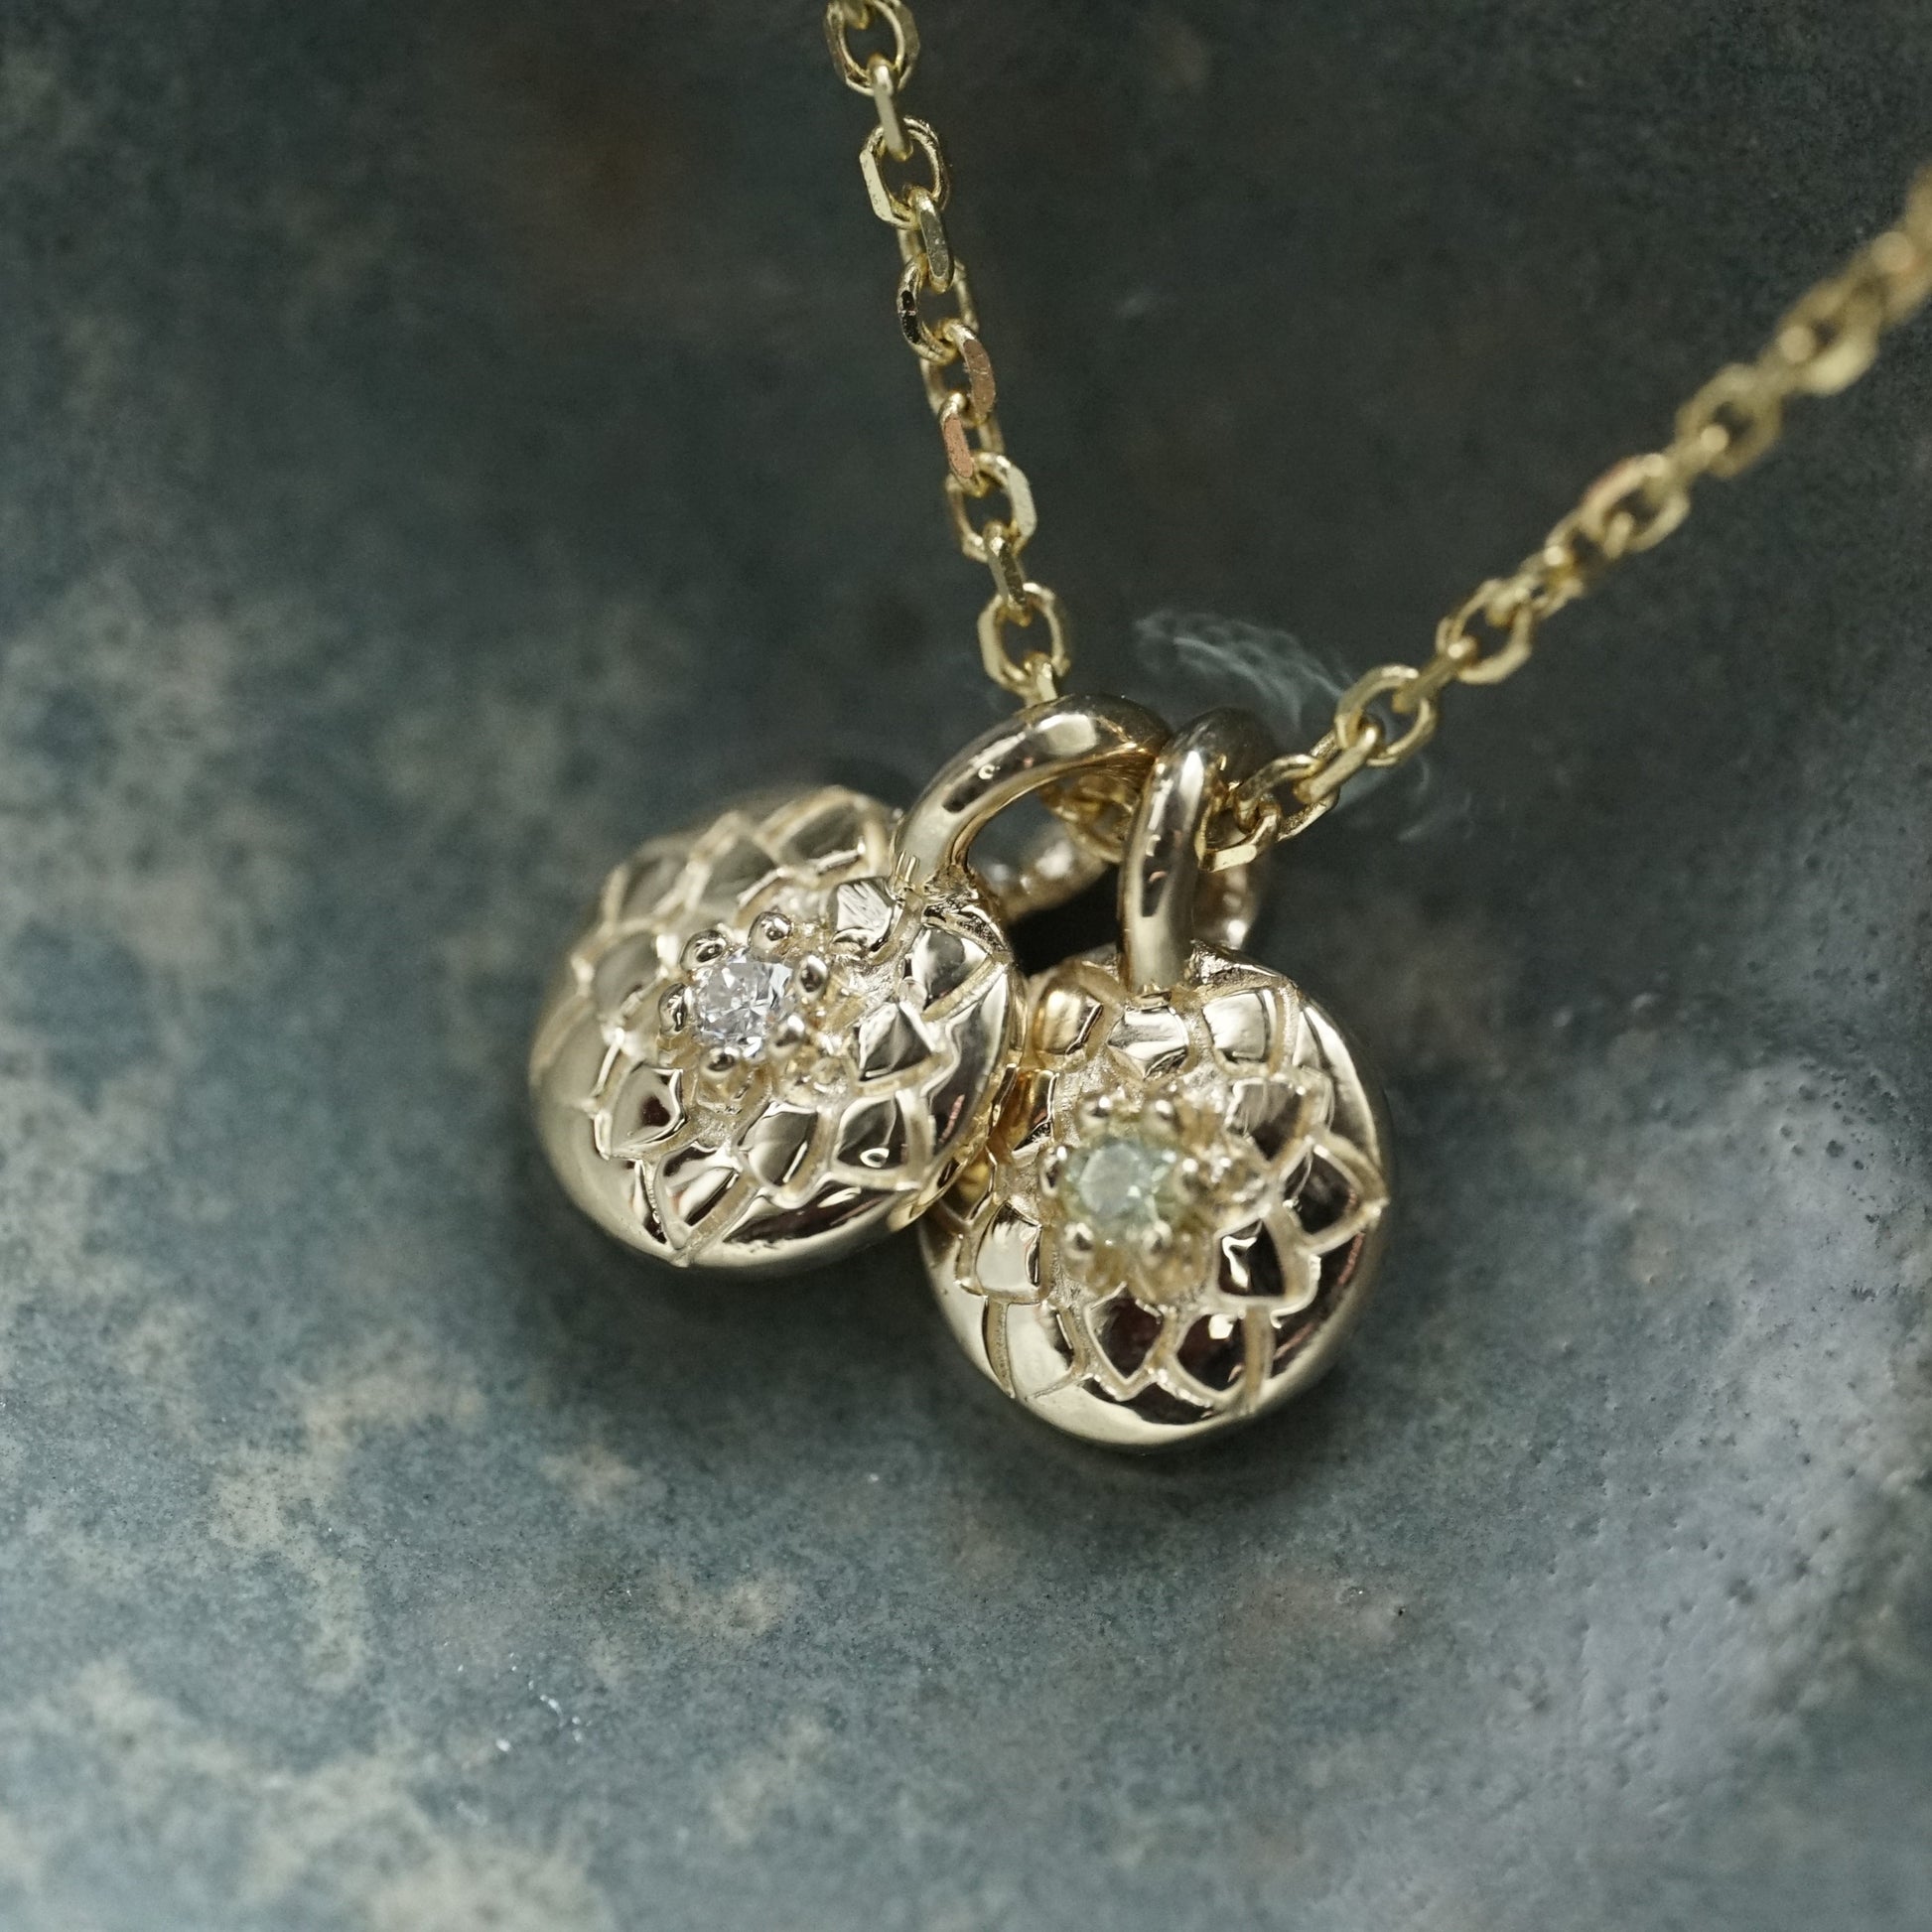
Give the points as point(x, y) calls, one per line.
point(1140, 1183)
point(705, 948)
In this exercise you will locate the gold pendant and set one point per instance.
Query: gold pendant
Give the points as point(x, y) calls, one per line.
point(1181, 1206)
point(782, 1032)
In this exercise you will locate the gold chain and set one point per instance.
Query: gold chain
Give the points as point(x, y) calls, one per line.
point(1825, 343)
point(977, 464)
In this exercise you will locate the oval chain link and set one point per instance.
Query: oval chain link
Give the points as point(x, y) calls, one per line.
point(1827, 340)
point(914, 205)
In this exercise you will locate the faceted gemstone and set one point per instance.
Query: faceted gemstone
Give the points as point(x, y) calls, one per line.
point(738, 1000)
point(1120, 1183)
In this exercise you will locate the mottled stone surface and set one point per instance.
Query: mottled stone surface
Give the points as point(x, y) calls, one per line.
point(444, 443)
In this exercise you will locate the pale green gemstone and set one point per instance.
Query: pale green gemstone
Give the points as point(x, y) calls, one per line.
point(1120, 1184)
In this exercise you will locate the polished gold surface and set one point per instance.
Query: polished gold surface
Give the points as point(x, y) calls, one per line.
point(1828, 340)
point(781, 1030)
point(1180, 1210)
point(976, 461)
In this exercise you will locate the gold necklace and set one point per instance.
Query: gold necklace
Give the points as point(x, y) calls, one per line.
point(1152, 1182)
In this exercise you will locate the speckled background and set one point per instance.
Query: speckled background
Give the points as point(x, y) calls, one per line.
point(442, 443)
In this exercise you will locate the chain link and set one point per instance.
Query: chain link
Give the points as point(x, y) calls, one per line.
point(911, 201)
point(1827, 340)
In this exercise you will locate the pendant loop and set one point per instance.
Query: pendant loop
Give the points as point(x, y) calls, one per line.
point(1160, 873)
point(1070, 738)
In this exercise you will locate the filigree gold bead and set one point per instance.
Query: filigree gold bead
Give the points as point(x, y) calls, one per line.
point(1204, 1223)
point(769, 1109)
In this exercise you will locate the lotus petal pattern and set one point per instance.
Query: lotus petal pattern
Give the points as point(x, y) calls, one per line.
point(818, 1093)
point(1238, 1240)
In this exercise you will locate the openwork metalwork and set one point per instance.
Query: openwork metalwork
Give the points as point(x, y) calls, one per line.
point(699, 1123)
point(1211, 1264)
point(1181, 1205)
point(782, 1031)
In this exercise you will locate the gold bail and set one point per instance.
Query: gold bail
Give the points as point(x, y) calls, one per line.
point(1067, 739)
point(1161, 873)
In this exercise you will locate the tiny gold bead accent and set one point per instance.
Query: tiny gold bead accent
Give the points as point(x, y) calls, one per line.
point(704, 948)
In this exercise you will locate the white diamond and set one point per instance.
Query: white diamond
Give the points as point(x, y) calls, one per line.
point(1119, 1183)
point(737, 1000)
